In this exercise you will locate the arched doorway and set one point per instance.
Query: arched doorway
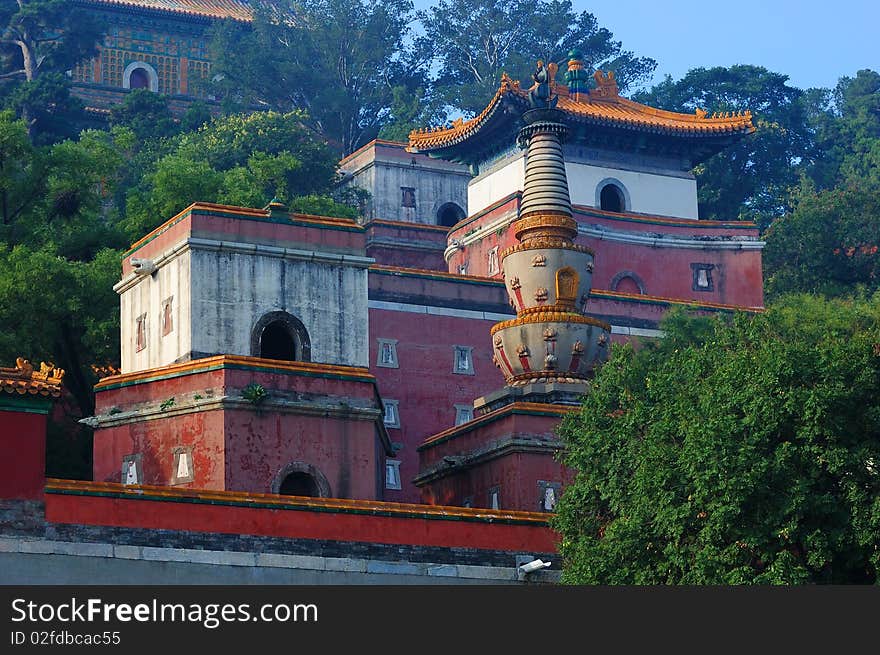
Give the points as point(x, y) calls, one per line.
point(301, 479)
point(299, 484)
point(140, 75)
point(279, 335)
point(449, 214)
point(139, 79)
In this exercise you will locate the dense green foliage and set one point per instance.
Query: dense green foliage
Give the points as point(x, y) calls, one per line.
point(340, 61)
point(735, 450)
point(749, 180)
point(39, 41)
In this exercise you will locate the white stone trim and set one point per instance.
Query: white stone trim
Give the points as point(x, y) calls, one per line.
point(635, 332)
point(151, 74)
point(607, 234)
point(489, 316)
point(438, 311)
point(671, 241)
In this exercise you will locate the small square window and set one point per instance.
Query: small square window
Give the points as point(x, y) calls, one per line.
point(468, 501)
point(462, 269)
point(132, 471)
point(392, 474)
point(702, 277)
point(408, 197)
point(387, 355)
point(495, 498)
point(493, 261)
point(548, 495)
point(183, 466)
point(392, 416)
point(167, 318)
point(463, 414)
point(140, 336)
point(464, 361)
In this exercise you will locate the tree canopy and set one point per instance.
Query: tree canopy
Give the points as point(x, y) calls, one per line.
point(735, 450)
point(338, 60)
point(473, 41)
point(751, 179)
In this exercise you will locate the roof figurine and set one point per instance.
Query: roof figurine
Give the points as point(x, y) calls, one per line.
point(541, 95)
point(576, 76)
point(24, 379)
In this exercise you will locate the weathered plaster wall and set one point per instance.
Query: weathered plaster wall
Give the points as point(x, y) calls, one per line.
point(232, 291)
point(171, 281)
point(383, 168)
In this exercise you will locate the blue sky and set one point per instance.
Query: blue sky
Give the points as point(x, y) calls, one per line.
point(812, 42)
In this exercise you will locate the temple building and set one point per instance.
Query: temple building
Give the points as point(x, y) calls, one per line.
point(160, 45)
point(425, 353)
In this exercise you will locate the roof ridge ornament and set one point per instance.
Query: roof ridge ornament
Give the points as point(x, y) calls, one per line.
point(606, 85)
point(542, 95)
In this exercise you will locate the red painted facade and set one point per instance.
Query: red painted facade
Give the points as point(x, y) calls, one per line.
point(22, 453)
point(237, 445)
point(510, 451)
point(410, 245)
point(664, 268)
point(297, 518)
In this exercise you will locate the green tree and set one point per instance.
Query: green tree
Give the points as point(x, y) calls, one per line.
point(59, 253)
point(146, 114)
point(847, 123)
point(473, 42)
point(43, 39)
point(339, 60)
point(829, 243)
point(751, 179)
point(243, 159)
point(735, 450)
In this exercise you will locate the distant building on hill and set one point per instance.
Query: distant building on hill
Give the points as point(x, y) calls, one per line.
point(160, 45)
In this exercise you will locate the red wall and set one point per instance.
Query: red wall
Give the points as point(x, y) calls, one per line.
point(260, 444)
point(156, 440)
point(384, 523)
point(22, 454)
point(514, 472)
point(242, 449)
point(665, 270)
point(516, 476)
point(425, 385)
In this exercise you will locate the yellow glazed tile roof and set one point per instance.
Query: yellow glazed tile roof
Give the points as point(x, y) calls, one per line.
point(238, 10)
point(602, 106)
point(23, 379)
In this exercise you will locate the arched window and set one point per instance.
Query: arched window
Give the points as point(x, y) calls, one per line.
point(628, 282)
point(279, 335)
point(449, 214)
point(611, 199)
point(612, 196)
point(301, 479)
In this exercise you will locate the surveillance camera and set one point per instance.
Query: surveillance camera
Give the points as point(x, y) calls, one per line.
point(534, 565)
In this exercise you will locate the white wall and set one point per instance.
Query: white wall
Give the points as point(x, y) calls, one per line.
point(147, 297)
point(219, 295)
point(649, 193)
point(232, 291)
